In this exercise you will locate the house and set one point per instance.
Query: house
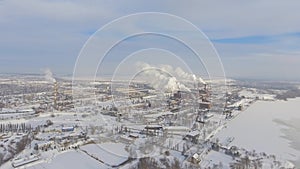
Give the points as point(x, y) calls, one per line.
point(215, 146)
point(195, 158)
point(204, 105)
point(133, 135)
point(126, 139)
point(23, 161)
point(233, 151)
point(153, 129)
point(193, 136)
point(43, 145)
point(67, 129)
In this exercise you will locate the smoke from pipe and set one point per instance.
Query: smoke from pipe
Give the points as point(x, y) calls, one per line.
point(178, 72)
point(159, 79)
point(49, 76)
point(173, 85)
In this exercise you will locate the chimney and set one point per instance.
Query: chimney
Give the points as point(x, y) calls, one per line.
point(55, 95)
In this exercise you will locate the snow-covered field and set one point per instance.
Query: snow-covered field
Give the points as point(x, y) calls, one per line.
point(92, 156)
point(215, 157)
point(112, 154)
point(256, 129)
point(71, 159)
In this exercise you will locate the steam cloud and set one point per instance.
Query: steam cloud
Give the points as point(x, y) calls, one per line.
point(160, 79)
point(49, 76)
point(182, 74)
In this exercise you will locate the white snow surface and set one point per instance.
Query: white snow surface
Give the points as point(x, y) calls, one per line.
point(214, 158)
point(112, 154)
point(71, 159)
point(255, 129)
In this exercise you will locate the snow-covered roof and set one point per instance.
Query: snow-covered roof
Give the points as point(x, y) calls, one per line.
point(193, 133)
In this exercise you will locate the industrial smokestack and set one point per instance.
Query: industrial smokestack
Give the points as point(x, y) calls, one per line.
point(49, 77)
point(55, 95)
point(205, 87)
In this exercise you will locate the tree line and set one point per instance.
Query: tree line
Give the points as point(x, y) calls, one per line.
point(17, 127)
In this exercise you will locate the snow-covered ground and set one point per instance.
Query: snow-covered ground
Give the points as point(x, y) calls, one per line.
point(70, 159)
point(255, 128)
point(110, 133)
point(112, 154)
point(216, 158)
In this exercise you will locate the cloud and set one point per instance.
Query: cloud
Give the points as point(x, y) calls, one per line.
point(230, 19)
point(55, 10)
point(269, 66)
point(37, 33)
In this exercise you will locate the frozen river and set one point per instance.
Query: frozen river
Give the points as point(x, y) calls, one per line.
point(268, 126)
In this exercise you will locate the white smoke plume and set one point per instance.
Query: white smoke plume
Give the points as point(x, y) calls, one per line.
point(173, 85)
point(164, 77)
point(49, 76)
point(156, 78)
point(194, 77)
point(201, 80)
point(178, 72)
point(184, 75)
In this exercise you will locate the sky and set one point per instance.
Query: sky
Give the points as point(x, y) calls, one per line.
point(257, 39)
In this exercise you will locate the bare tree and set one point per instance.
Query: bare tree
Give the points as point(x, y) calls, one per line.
point(1, 159)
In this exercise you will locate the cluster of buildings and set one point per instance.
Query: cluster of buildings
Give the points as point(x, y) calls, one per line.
point(135, 115)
